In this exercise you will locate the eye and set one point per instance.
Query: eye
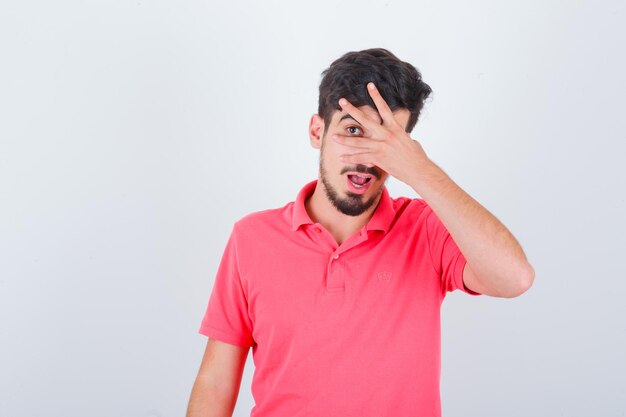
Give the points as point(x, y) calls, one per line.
point(353, 127)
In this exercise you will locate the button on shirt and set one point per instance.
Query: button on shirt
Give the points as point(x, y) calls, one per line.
point(338, 330)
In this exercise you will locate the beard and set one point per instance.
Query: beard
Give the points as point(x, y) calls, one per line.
point(353, 204)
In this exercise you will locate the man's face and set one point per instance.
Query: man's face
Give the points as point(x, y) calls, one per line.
point(341, 188)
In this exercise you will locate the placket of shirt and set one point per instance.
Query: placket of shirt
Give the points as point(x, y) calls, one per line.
point(335, 268)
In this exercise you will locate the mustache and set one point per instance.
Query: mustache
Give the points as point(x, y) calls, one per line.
point(363, 169)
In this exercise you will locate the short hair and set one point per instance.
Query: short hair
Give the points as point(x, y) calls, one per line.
point(399, 83)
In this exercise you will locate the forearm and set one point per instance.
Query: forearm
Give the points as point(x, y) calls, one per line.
point(209, 400)
point(492, 252)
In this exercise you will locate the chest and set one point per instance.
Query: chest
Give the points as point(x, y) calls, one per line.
point(316, 290)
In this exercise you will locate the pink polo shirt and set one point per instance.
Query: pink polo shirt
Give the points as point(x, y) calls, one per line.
point(348, 331)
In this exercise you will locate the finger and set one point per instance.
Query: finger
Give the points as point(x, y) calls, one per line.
point(358, 115)
point(360, 142)
point(358, 158)
point(381, 105)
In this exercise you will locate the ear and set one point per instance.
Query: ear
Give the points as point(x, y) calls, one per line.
point(316, 130)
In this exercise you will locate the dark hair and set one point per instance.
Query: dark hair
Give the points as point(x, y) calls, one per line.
point(399, 82)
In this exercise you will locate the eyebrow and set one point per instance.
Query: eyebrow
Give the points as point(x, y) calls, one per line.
point(348, 116)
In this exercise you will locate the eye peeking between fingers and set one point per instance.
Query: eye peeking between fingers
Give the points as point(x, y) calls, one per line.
point(350, 129)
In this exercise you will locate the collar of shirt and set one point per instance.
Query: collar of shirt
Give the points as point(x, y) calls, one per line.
point(381, 219)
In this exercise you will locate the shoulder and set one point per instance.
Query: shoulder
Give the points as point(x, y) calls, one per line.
point(263, 220)
point(410, 207)
point(411, 215)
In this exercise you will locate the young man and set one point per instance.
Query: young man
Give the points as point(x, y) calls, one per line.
point(339, 292)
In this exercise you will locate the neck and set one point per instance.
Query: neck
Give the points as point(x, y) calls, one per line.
point(340, 225)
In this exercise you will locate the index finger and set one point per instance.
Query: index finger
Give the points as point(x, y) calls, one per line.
point(381, 105)
point(358, 115)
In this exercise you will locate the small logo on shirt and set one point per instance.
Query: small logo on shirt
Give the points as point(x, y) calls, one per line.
point(384, 276)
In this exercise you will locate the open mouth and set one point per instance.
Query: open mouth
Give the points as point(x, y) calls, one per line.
point(359, 181)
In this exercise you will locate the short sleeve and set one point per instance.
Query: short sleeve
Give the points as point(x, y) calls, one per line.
point(446, 256)
point(226, 317)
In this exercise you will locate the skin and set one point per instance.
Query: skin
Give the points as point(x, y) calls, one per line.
point(496, 264)
point(332, 204)
point(376, 142)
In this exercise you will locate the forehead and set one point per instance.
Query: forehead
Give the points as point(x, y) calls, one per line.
point(402, 115)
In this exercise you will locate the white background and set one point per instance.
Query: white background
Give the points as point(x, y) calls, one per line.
point(134, 133)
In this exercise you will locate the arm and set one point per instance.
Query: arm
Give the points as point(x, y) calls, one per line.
point(216, 387)
point(496, 264)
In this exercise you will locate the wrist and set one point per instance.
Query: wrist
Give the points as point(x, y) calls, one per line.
point(428, 177)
